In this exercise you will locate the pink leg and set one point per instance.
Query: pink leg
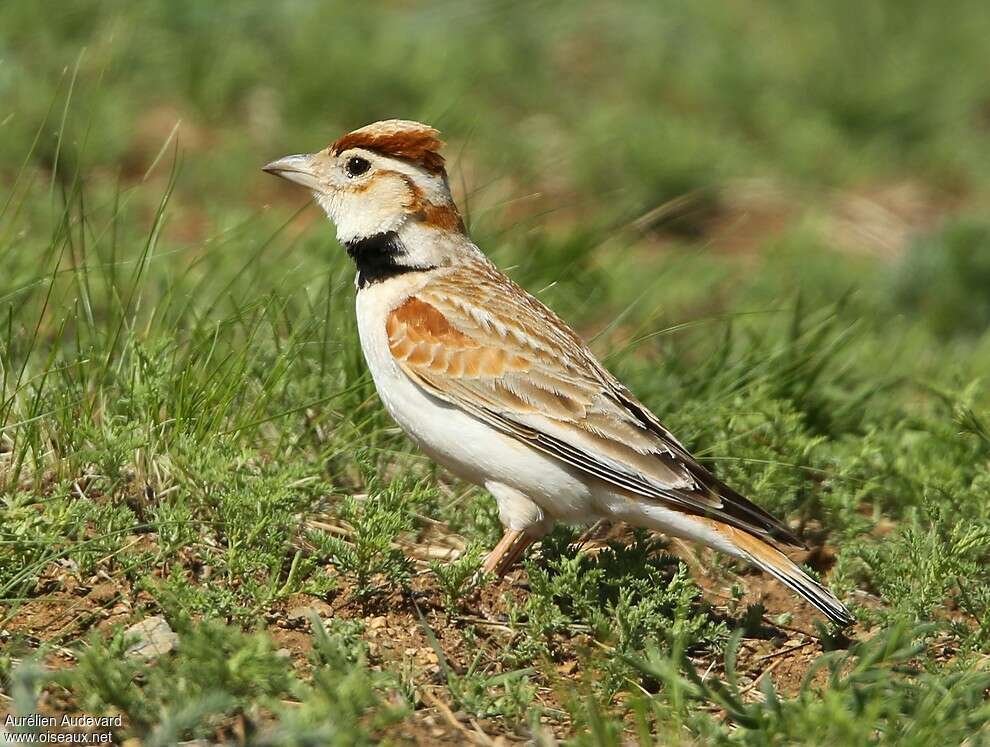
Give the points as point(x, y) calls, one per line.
point(508, 550)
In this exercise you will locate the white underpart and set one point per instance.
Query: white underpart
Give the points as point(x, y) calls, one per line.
point(532, 489)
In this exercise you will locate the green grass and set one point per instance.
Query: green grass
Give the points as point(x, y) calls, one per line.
point(187, 427)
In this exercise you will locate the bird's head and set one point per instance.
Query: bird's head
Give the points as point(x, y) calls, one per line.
point(378, 180)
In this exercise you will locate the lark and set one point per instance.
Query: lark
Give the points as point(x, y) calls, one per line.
point(493, 385)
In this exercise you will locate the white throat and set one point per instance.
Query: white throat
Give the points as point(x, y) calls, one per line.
point(357, 219)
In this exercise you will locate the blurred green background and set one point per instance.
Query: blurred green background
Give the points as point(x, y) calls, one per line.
point(624, 104)
point(769, 218)
point(723, 126)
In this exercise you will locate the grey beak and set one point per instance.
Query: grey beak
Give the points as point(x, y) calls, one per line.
point(298, 169)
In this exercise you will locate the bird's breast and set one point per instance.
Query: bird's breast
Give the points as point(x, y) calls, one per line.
point(467, 446)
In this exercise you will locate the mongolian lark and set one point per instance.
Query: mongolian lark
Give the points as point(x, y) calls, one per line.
point(494, 386)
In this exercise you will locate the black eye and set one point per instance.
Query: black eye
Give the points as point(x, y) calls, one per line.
point(356, 166)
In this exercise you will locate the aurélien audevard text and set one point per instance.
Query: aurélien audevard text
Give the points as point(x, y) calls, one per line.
point(98, 726)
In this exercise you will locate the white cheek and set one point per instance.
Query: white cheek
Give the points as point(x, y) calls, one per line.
point(359, 215)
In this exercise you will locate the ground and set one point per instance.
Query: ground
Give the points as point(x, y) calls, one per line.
point(411, 628)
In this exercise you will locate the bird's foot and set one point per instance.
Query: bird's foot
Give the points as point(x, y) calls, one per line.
point(505, 554)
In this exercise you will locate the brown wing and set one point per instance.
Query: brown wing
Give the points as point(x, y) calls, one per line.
point(475, 339)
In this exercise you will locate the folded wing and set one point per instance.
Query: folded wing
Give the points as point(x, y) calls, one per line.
point(474, 339)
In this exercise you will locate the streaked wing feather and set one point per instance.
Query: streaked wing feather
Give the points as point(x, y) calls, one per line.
point(473, 338)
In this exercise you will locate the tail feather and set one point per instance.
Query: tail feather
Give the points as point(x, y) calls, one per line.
point(768, 558)
point(817, 595)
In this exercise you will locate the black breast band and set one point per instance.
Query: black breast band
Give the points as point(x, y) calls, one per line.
point(379, 257)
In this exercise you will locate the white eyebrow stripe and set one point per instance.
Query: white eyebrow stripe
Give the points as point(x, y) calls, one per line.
point(431, 185)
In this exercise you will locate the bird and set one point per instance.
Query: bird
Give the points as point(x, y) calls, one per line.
point(490, 383)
